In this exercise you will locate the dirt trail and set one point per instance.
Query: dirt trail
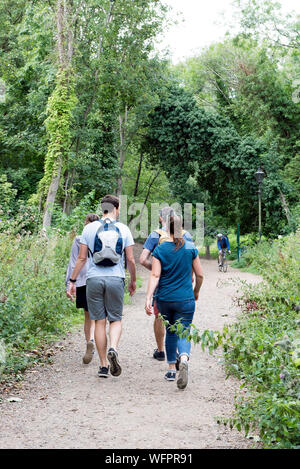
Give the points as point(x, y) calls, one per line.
point(65, 405)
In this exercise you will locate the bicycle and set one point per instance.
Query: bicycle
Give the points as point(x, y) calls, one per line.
point(224, 263)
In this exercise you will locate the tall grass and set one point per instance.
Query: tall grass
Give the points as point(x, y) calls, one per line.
point(34, 309)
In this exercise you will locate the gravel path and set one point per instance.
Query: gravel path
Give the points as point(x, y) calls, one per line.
point(65, 405)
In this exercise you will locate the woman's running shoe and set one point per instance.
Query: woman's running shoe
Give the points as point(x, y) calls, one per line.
point(170, 375)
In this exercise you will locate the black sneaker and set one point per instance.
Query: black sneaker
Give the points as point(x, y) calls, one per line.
point(115, 367)
point(170, 375)
point(103, 371)
point(160, 356)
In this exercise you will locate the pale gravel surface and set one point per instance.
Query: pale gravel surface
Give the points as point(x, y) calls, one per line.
point(65, 405)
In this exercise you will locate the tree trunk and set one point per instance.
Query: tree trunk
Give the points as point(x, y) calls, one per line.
point(138, 175)
point(108, 20)
point(66, 191)
point(52, 196)
point(65, 52)
point(207, 252)
point(146, 198)
point(122, 149)
point(285, 207)
point(68, 188)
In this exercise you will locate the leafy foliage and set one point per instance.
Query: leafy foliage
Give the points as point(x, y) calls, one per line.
point(60, 109)
point(33, 305)
point(262, 348)
point(190, 142)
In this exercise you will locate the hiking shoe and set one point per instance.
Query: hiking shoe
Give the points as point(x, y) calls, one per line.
point(90, 348)
point(177, 361)
point(170, 375)
point(115, 367)
point(183, 376)
point(160, 356)
point(103, 371)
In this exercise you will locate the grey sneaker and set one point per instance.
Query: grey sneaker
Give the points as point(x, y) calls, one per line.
point(183, 376)
point(115, 367)
point(89, 353)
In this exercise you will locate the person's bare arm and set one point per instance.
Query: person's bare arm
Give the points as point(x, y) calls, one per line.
point(197, 269)
point(131, 269)
point(80, 263)
point(152, 284)
point(145, 259)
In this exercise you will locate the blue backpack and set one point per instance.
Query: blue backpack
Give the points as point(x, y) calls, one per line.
point(108, 244)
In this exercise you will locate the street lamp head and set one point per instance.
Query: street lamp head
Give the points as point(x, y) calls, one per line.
point(259, 175)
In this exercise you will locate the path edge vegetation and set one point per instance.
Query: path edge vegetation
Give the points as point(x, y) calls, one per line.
point(262, 347)
point(67, 118)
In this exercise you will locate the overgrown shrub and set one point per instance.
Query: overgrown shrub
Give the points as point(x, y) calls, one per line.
point(263, 347)
point(75, 221)
point(22, 220)
point(33, 306)
point(7, 196)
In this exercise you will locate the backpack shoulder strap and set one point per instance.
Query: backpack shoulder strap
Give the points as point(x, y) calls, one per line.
point(160, 232)
point(162, 235)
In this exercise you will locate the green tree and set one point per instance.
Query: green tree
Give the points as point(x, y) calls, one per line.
point(190, 142)
point(98, 52)
point(26, 44)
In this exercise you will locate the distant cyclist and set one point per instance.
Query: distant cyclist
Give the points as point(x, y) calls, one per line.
point(223, 245)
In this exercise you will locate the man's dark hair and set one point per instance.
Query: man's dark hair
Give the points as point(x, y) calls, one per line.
point(109, 202)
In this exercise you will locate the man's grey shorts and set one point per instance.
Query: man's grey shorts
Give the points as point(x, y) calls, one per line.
point(105, 297)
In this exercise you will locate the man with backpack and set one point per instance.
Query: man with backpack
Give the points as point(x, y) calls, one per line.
point(155, 238)
point(106, 241)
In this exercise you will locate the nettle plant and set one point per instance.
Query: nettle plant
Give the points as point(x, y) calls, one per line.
point(209, 340)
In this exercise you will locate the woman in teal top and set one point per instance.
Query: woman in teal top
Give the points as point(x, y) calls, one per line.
point(174, 262)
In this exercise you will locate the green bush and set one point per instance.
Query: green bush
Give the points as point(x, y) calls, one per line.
point(263, 347)
point(34, 308)
point(22, 220)
point(75, 221)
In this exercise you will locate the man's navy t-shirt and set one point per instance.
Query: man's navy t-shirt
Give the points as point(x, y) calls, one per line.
point(175, 283)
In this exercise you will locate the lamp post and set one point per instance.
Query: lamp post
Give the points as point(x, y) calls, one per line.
point(259, 176)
